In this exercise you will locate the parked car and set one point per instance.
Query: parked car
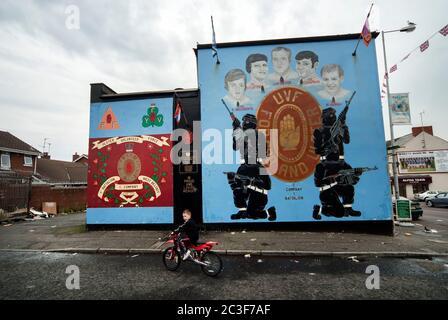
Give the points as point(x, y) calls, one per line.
point(416, 209)
point(425, 195)
point(440, 200)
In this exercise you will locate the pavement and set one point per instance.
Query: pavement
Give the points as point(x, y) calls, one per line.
point(67, 233)
point(43, 276)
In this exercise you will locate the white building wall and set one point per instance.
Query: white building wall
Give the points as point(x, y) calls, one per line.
point(439, 182)
point(424, 142)
point(409, 191)
point(431, 143)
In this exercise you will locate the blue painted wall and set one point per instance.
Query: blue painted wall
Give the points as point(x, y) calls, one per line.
point(129, 114)
point(367, 147)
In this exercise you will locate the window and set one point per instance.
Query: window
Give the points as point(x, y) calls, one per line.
point(5, 161)
point(420, 188)
point(27, 161)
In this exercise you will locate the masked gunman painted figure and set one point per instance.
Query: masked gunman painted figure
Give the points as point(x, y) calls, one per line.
point(249, 186)
point(334, 177)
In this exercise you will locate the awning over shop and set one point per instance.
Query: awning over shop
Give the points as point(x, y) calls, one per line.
point(423, 179)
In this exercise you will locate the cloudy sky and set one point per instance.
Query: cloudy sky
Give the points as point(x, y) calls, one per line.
point(134, 45)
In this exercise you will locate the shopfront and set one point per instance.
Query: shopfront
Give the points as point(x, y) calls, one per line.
point(410, 185)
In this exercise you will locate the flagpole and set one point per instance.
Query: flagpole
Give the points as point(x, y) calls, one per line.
point(391, 127)
point(360, 35)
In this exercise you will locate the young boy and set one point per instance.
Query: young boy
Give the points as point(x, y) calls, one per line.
point(332, 78)
point(235, 84)
point(188, 230)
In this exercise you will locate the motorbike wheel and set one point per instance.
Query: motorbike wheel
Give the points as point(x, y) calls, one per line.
point(214, 264)
point(171, 258)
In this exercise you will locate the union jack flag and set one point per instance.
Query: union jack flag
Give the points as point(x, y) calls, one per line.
point(424, 46)
point(394, 68)
point(444, 31)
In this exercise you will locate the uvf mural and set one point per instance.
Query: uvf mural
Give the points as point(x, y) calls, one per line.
point(130, 172)
point(312, 108)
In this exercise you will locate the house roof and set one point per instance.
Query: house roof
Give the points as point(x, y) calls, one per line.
point(80, 157)
point(56, 171)
point(401, 141)
point(11, 143)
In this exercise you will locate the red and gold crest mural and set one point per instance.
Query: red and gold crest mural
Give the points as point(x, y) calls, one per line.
point(132, 171)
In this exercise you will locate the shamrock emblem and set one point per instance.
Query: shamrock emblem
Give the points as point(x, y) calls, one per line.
point(152, 118)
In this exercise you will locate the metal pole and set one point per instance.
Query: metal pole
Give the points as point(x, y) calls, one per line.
point(423, 131)
point(28, 203)
point(392, 138)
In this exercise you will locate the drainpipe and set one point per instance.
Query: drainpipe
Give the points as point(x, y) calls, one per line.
point(35, 165)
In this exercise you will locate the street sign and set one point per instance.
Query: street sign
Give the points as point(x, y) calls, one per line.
point(403, 210)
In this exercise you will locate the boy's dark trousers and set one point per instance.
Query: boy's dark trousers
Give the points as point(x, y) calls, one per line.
point(180, 242)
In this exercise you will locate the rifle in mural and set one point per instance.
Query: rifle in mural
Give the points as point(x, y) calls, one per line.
point(232, 115)
point(332, 144)
point(349, 176)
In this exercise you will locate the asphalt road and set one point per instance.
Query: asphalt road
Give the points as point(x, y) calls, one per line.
point(435, 215)
point(31, 275)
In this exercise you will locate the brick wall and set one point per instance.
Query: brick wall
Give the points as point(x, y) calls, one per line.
point(66, 198)
point(17, 164)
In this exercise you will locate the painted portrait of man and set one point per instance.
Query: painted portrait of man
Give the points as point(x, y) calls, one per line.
point(306, 66)
point(283, 73)
point(257, 68)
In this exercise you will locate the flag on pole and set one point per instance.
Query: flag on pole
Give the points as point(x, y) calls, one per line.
point(444, 31)
point(365, 33)
point(214, 46)
point(178, 112)
point(424, 46)
point(394, 68)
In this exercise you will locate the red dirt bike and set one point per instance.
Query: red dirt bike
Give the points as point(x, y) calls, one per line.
point(210, 262)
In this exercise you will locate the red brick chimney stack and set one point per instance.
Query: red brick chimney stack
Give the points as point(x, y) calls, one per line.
point(417, 130)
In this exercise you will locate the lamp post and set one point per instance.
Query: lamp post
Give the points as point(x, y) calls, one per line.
point(409, 28)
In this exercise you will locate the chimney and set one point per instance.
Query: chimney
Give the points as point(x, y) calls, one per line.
point(75, 156)
point(417, 130)
point(45, 155)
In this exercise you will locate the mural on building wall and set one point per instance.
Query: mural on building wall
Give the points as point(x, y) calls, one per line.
point(130, 176)
point(324, 106)
point(133, 171)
